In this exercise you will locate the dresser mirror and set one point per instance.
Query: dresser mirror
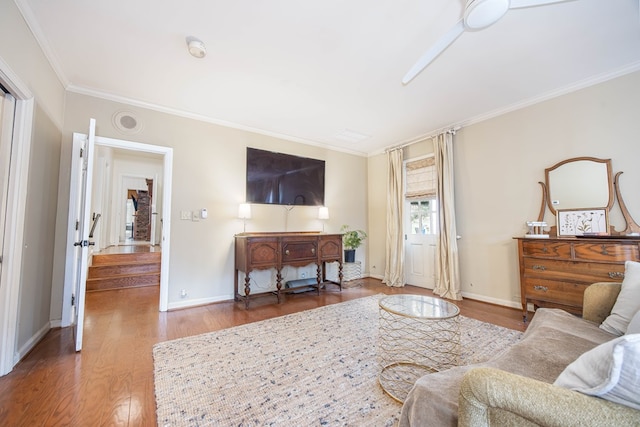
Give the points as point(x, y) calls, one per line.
point(579, 183)
point(583, 183)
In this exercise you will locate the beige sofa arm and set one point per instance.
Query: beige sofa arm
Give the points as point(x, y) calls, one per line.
point(598, 300)
point(491, 397)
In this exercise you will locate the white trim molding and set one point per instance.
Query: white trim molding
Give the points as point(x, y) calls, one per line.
point(10, 276)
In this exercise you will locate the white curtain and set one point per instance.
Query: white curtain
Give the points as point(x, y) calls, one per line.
point(394, 266)
point(447, 269)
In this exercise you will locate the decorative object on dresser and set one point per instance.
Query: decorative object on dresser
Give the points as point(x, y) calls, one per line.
point(583, 248)
point(259, 251)
point(582, 222)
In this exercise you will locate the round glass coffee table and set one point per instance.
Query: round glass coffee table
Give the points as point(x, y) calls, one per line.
point(418, 335)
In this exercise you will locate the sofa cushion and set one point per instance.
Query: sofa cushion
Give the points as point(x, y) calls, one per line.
point(627, 303)
point(610, 371)
point(634, 325)
point(552, 341)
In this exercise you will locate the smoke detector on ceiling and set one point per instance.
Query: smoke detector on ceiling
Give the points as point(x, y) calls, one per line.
point(196, 47)
point(126, 122)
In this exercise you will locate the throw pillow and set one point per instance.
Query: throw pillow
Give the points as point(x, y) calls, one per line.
point(627, 303)
point(634, 325)
point(610, 371)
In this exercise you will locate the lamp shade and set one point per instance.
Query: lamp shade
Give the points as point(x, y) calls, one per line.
point(323, 212)
point(244, 211)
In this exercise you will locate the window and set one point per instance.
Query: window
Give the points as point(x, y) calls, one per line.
point(424, 216)
point(420, 195)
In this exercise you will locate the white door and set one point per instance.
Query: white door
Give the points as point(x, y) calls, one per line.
point(82, 244)
point(420, 225)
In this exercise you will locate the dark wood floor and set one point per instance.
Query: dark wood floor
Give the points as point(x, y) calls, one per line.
point(111, 381)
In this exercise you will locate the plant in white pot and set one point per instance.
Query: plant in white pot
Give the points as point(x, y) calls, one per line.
point(351, 240)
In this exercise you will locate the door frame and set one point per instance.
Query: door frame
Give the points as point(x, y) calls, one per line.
point(10, 277)
point(406, 223)
point(167, 153)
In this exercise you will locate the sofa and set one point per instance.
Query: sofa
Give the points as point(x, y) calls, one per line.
point(516, 388)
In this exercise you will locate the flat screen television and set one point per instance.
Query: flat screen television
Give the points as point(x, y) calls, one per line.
point(284, 179)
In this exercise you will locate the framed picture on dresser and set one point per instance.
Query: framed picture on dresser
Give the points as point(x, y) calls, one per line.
point(583, 222)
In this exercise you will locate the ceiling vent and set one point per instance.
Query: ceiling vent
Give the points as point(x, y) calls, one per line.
point(351, 136)
point(126, 122)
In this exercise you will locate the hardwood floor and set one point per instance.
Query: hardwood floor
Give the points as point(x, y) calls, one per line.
point(111, 381)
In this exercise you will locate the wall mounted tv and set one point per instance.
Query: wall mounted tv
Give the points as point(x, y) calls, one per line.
point(283, 179)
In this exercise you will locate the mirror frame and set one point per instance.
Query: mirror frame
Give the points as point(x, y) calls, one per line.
point(632, 228)
point(607, 163)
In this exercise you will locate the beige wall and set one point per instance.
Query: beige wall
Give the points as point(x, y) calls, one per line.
point(39, 233)
point(22, 55)
point(499, 162)
point(20, 50)
point(209, 172)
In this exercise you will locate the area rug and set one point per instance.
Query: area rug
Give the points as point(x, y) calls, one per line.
point(316, 367)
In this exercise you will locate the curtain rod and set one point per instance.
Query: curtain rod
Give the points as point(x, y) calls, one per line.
point(451, 130)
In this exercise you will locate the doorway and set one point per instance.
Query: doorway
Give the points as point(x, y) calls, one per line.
point(116, 210)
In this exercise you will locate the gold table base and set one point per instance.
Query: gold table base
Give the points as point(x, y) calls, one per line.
point(411, 346)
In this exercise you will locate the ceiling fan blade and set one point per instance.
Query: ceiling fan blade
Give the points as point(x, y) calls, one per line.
point(443, 43)
point(519, 4)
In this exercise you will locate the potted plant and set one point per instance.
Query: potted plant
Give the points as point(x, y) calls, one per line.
point(351, 240)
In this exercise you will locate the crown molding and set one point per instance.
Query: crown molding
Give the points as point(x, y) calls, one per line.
point(41, 39)
point(573, 87)
point(189, 115)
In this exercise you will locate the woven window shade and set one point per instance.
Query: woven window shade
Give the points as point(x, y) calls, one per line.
point(421, 179)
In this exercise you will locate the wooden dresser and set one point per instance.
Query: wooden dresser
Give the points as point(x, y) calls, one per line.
point(554, 272)
point(258, 251)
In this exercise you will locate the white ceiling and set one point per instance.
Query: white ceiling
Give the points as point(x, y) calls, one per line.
point(309, 70)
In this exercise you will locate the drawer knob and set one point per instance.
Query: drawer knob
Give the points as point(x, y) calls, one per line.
point(313, 251)
point(541, 288)
point(539, 267)
point(286, 252)
point(616, 274)
point(604, 250)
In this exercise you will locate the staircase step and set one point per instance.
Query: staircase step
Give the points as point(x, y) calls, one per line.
point(124, 281)
point(123, 270)
point(111, 270)
point(133, 257)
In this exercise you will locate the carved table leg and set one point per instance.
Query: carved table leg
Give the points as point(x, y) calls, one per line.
point(278, 284)
point(319, 278)
point(247, 290)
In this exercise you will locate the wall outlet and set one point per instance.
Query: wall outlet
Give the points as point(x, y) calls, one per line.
point(195, 216)
point(183, 293)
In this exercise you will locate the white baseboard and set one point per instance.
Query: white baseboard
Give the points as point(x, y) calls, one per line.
point(57, 323)
point(197, 302)
point(490, 300)
point(35, 339)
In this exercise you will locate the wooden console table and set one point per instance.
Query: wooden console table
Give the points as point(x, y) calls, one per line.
point(259, 251)
point(555, 272)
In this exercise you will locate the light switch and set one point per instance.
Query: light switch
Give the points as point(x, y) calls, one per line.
point(185, 215)
point(195, 216)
